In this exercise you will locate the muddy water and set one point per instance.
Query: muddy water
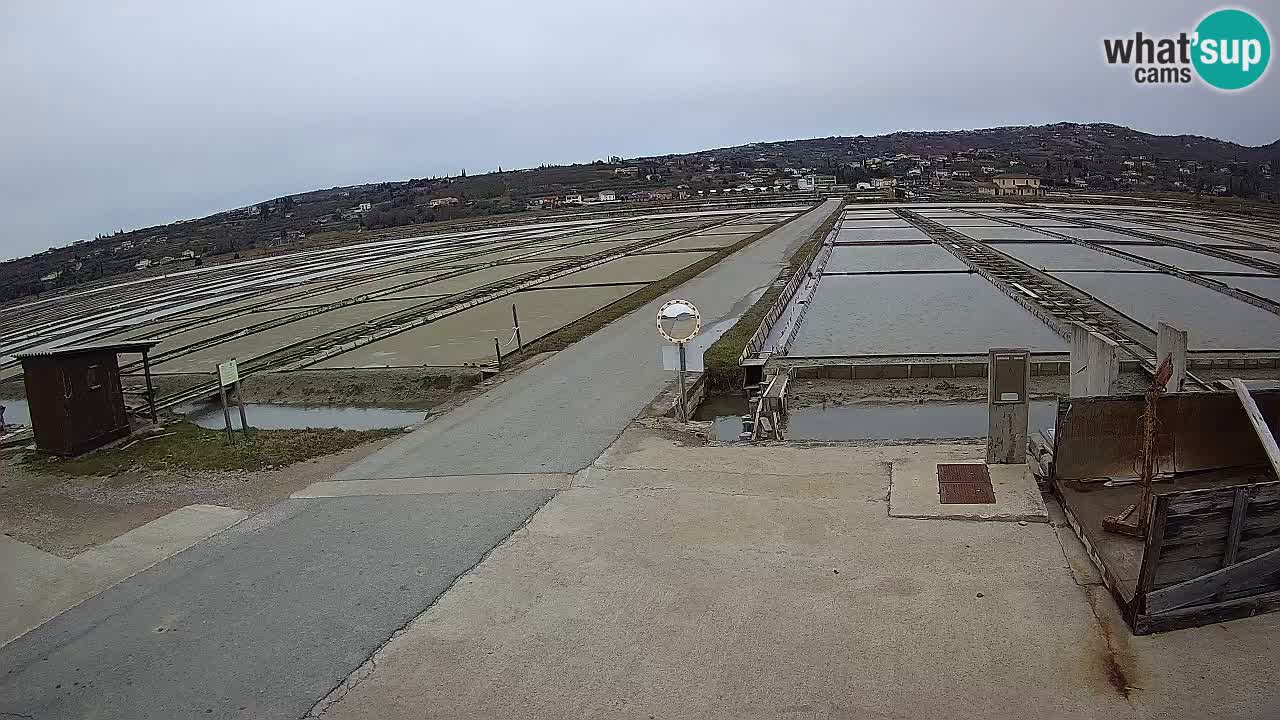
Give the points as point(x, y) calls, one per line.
point(725, 413)
point(902, 421)
point(296, 417)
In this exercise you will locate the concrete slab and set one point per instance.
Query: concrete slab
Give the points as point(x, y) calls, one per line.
point(660, 590)
point(437, 484)
point(37, 586)
point(163, 537)
point(913, 491)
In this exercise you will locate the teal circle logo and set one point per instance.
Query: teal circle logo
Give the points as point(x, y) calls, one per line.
point(1232, 49)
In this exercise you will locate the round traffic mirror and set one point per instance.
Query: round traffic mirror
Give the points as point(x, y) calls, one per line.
point(679, 321)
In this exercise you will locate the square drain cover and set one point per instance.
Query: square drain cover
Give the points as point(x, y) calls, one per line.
point(965, 484)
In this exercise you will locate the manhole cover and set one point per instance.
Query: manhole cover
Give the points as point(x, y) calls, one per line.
point(966, 484)
point(963, 473)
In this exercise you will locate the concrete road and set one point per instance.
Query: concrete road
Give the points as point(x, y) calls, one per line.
point(264, 620)
point(261, 620)
point(559, 416)
point(771, 582)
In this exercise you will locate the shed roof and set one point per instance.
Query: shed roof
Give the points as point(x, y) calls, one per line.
point(135, 346)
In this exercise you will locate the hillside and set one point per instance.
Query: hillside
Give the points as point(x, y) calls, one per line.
point(1095, 157)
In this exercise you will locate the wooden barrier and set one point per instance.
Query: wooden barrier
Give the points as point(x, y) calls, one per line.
point(1211, 549)
point(1210, 555)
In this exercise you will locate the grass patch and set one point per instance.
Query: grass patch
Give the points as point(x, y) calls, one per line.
point(581, 328)
point(194, 448)
point(720, 361)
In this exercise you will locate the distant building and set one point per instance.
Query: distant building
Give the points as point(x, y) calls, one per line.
point(1012, 184)
point(573, 199)
point(51, 276)
point(142, 264)
point(364, 207)
point(606, 196)
point(627, 171)
point(881, 183)
point(445, 202)
point(824, 182)
point(188, 254)
point(663, 195)
point(805, 182)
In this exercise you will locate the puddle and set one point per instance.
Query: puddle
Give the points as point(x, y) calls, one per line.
point(902, 421)
point(16, 412)
point(725, 413)
point(268, 416)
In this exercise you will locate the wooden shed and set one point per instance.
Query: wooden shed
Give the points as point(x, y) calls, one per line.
point(75, 396)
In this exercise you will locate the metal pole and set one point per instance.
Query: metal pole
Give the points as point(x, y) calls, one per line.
point(151, 393)
point(684, 408)
point(515, 321)
point(226, 414)
point(244, 422)
point(497, 350)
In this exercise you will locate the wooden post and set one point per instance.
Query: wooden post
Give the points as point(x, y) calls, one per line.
point(151, 393)
point(244, 422)
point(515, 322)
point(1172, 341)
point(1259, 425)
point(497, 351)
point(226, 413)
point(1239, 506)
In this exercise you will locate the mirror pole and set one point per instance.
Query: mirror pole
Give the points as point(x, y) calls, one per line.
point(684, 407)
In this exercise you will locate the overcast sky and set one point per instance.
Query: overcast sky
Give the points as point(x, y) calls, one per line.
point(126, 114)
